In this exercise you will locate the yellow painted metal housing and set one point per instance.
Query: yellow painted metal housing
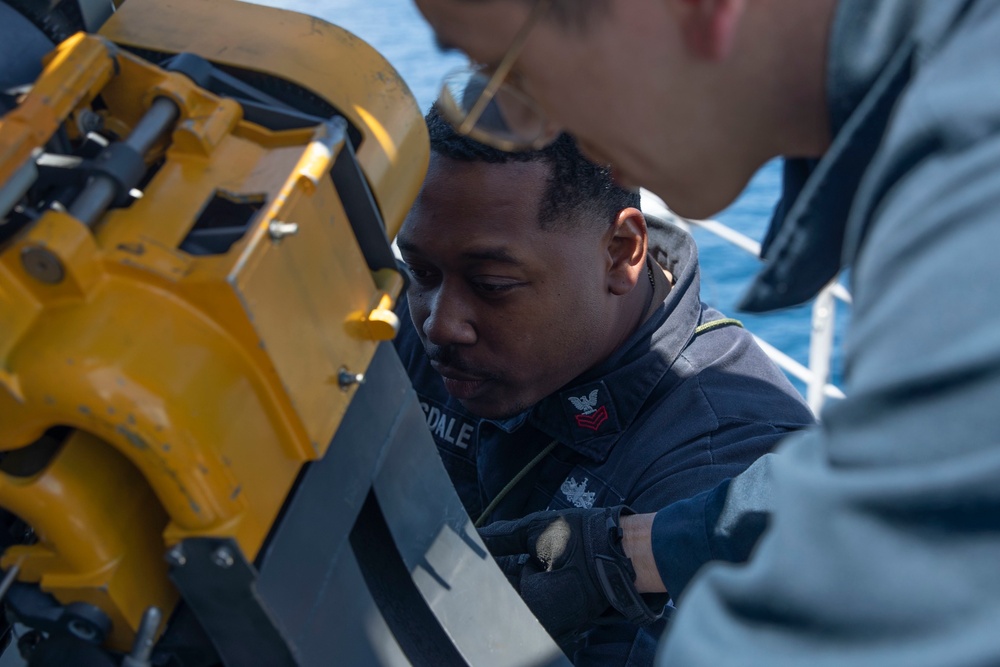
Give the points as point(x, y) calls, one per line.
point(197, 386)
point(322, 58)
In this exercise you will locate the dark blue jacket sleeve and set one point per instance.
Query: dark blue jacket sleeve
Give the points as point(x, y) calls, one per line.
point(713, 459)
point(722, 524)
point(684, 540)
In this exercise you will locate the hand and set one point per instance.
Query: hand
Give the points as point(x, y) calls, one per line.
point(574, 570)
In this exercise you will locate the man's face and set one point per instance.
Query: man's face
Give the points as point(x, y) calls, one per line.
point(657, 130)
point(507, 311)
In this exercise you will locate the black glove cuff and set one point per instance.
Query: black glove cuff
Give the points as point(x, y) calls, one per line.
point(620, 591)
point(617, 575)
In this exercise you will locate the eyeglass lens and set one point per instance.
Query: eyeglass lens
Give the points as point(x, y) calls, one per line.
point(510, 116)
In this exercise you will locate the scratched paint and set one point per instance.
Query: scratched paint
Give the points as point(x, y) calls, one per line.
point(139, 443)
point(132, 437)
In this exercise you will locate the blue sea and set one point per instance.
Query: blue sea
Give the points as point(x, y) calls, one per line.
point(396, 29)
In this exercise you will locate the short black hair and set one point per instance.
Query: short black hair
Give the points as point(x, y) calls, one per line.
point(577, 188)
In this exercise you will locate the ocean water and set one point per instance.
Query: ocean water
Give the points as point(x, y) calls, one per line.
point(396, 29)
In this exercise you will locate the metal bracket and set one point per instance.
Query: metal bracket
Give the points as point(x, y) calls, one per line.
point(359, 204)
point(220, 586)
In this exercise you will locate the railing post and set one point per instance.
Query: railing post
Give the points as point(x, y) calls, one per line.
point(820, 348)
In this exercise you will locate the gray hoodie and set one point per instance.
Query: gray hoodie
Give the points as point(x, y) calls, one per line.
point(882, 539)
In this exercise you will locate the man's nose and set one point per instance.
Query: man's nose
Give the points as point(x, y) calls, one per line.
point(450, 320)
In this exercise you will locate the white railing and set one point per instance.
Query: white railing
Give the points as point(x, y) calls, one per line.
point(816, 376)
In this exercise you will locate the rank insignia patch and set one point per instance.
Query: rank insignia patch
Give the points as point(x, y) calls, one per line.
point(591, 415)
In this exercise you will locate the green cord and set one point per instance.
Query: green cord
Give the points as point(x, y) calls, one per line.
point(512, 483)
point(715, 324)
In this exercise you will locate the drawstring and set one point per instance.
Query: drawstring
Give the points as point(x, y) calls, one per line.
point(512, 483)
point(715, 324)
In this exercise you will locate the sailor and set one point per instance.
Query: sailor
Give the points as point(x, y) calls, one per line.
point(884, 523)
point(564, 360)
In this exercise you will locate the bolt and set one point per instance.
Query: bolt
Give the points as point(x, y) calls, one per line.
point(42, 264)
point(176, 556)
point(279, 230)
point(88, 121)
point(346, 378)
point(142, 645)
point(82, 629)
point(223, 557)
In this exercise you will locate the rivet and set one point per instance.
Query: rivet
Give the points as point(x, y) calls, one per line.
point(88, 121)
point(346, 378)
point(223, 557)
point(176, 556)
point(42, 264)
point(279, 230)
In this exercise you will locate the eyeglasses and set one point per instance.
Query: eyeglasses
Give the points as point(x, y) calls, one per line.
point(484, 106)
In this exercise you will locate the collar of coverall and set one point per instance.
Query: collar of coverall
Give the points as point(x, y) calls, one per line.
point(590, 415)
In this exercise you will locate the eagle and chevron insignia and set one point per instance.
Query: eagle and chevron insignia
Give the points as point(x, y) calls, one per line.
point(585, 404)
point(591, 417)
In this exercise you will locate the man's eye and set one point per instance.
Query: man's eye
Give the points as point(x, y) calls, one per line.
point(419, 275)
point(494, 287)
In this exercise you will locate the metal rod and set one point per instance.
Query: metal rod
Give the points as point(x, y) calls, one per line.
point(100, 190)
point(8, 579)
point(142, 647)
point(93, 200)
point(820, 348)
point(153, 125)
point(14, 189)
point(794, 368)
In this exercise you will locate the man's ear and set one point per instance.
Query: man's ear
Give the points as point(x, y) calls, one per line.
point(626, 240)
point(709, 27)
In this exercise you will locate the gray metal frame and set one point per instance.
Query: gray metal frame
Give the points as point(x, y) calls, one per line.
point(373, 562)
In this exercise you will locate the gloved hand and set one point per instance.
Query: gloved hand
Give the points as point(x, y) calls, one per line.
point(574, 570)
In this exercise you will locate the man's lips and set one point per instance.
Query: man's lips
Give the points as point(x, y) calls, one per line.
point(459, 384)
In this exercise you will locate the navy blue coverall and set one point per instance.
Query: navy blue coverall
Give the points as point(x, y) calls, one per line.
point(668, 415)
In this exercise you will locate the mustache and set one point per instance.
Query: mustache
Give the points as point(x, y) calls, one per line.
point(448, 356)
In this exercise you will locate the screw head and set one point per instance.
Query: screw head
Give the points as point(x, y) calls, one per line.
point(346, 378)
point(176, 556)
point(42, 264)
point(88, 121)
point(223, 557)
point(279, 230)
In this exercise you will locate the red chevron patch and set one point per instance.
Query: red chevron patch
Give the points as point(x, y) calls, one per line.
point(594, 420)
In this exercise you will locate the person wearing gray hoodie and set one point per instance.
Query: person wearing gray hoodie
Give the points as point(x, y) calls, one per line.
point(874, 538)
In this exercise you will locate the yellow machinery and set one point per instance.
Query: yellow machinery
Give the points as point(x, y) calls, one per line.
point(195, 283)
